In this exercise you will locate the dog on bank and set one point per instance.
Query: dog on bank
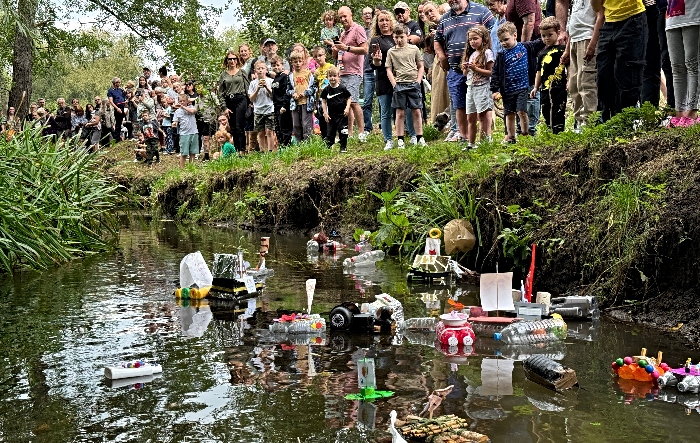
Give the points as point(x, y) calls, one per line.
point(442, 121)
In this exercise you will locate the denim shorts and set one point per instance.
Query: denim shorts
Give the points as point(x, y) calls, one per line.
point(457, 85)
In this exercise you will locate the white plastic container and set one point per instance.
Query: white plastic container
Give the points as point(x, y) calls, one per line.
point(117, 372)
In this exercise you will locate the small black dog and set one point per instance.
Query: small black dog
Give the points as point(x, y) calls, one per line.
point(442, 120)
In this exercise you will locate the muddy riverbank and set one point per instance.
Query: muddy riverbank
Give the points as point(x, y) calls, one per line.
point(613, 211)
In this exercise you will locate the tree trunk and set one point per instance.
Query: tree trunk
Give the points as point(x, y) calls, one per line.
point(23, 59)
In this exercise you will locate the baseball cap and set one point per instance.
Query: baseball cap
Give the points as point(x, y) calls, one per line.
point(401, 5)
point(269, 40)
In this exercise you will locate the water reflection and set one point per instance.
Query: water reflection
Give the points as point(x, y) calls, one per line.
point(226, 378)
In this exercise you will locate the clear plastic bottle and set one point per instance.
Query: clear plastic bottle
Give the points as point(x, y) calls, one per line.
point(526, 332)
point(341, 66)
point(365, 259)
point(667, 380)
point(417, 324)
point(690, 384)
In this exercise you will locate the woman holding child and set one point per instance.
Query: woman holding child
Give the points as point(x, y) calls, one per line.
point(233, 88)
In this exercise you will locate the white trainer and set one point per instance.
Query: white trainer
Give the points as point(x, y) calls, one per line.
point(362, 136)
point(422, 142)
point(414, 140)
point(389, 145)
point(400, 144)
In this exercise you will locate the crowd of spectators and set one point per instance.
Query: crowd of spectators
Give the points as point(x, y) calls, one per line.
point(583, 55)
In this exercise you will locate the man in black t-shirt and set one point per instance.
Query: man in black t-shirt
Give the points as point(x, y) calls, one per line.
point(336, 107)
point(403, 15)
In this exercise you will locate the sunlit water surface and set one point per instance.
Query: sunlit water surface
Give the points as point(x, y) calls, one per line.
point(224, 381)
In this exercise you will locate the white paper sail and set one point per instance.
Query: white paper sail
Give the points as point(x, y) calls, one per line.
point(310, 288)
point(495, 292)
point(496, 377)
point(194, 271)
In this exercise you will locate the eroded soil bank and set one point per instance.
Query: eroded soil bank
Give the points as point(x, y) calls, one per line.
point(614, 217)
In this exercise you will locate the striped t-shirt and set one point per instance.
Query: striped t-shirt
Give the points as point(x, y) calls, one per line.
point(451, 32)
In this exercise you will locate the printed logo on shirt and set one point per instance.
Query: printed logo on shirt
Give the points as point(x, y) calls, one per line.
point(676, 8)
point(334, 95)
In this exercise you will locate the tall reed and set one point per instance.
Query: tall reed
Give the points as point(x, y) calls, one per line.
point(55, 204)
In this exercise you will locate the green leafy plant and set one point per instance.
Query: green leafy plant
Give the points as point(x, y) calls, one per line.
point(516, 240)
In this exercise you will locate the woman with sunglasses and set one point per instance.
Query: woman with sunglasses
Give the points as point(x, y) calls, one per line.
point(232, 88)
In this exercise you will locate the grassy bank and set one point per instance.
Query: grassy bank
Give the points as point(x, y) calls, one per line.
point(612, 210)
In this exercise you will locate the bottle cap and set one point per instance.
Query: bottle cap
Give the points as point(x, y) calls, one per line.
point(497, 336)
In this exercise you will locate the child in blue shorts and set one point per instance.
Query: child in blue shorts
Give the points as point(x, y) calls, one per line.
point(186, 123)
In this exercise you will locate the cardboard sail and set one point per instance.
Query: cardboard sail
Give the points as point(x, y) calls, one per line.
point(495, 292)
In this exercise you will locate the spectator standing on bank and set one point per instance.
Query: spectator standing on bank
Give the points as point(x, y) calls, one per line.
point(117, 99)
point(583, 28)
point(621, 54)
point(368, 78)
point(450, 41)
point(353, 47)
point(683, 34)
point(63, 118)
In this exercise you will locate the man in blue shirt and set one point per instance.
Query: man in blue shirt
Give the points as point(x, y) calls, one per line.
point(117, 100)
point(450, 41)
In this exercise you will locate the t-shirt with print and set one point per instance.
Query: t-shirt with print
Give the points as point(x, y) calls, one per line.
point(581, 21)
point(517, 9)
point(552, 72)
point(321, 75)
point(474, 78)
point(414, 28)
point(682, 13)
point(186, 122)
point(353, 63)
point(301, 84)
point(279, 90)
point(404, 63)
point(516, 68)
point(262, 105)
point(150, 129)
point(336, 99)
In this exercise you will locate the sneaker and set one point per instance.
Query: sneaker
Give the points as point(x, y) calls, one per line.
point(469, 147)
point(400, 144)
point(196, 156)
point(414, 140)
point(422, 142)
point(456, 137)
point(362, 136)
point(389, 145)
point(343, 150)
point(449, 137)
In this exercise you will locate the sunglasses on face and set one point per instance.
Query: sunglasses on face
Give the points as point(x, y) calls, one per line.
point(232, 58)
point(399, 11)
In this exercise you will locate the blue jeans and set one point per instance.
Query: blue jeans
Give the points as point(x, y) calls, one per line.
point(368, 97)
point(408, 124)
point(533, 112)
point(386, 114)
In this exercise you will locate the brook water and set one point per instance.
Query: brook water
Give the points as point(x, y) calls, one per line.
point(60, 328)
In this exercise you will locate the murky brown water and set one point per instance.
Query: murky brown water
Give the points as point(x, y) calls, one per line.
point(224, 381)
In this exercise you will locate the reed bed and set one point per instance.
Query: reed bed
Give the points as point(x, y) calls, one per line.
point(55, 203)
